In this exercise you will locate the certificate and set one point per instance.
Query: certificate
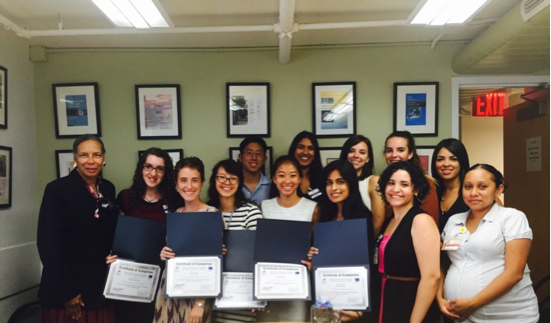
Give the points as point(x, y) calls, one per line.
point(345, 287)
point(190, 277)
point(279, 281)
point(237, 292)
point(132, 281)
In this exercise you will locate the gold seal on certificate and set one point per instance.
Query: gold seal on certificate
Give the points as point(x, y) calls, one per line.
point(281, 281)
point(345, 287)
point(189, 277)
point(237, 292)
point(132, 281)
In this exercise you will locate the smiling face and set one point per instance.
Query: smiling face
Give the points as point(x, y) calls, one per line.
point(399, 191)
point(358, 156)
point(305, 152)
point(287, 179)
point(226, 183)
point(189, 184)
point(253, 158)
point(155, 176)
point(396, 149)
point(336, 187)
point(447, 165)
point(480, 191)
point(89, 159)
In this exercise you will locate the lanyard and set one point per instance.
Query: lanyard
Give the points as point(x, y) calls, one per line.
point(231, 216)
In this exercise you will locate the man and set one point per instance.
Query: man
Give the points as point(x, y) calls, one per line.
point(252, 155)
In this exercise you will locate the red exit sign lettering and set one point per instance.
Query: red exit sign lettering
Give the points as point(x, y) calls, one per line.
point(489, 105)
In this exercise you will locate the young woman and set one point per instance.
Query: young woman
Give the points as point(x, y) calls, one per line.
point(305, 149)
point(400, 146)
point(449, 164)
point(408, 248)
point(190, 176)
point(488, 280)
point(358, 151)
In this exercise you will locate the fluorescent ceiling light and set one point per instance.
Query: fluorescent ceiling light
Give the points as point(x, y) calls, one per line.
point(112, 13)
point(127, 13)
point(150, 13)
point(440, 12)
point(131, 13)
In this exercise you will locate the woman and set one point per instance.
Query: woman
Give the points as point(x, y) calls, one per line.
point(449, 164)
point(305, 149)
point(226, 194)
point(400, 146)
point(288, 206)
point(190, 176)
point(358, 151)
point(408, 248)
point(488, 280)
point(76, 226)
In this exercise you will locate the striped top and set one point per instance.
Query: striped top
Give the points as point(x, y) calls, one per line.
point(243, 218)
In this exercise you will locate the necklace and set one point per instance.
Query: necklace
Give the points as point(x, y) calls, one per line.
point(152, 200)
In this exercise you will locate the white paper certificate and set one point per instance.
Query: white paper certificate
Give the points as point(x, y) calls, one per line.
point(188, 277)
point(281, 281)
point(237, 292)
point(132, 281)
point(344, 287)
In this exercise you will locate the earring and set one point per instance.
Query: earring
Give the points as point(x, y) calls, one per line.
point(104, 163)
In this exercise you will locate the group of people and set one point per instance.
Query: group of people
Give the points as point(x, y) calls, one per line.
point(440, 245)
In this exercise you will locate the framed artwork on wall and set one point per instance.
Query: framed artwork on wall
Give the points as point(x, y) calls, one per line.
point(158, 111)
point(248, 109)
point(6, 171)
point(266, 170)
point(334, 109)
point(76, 109)
point(425, 155)
point(175, 154)
point(3, 97)
point(416, 108)
point(64, 162)
point(329, 154)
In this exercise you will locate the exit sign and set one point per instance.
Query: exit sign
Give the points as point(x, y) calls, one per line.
point(489, 105)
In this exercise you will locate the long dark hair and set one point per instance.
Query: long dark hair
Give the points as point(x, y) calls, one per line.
point(418, 180)
point(497, 177)
point(353, 206)
point(315, 168)
point(411, 147)
point(458, 150)
point(231, 167)
point(166, 188)
point(367, 169)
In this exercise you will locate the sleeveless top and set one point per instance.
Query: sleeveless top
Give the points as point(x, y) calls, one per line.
point(303, 211)
point(364, 186)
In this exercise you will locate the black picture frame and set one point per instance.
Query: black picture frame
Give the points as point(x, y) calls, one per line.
point(267, 169)
point(6, 172)
point(3, 97)
point(161, 103)
point(243, 100)
point(334, 109)
point(64, 161)
point(329, 154)
point(416, 108)
point(76, 109)
point(175, 154)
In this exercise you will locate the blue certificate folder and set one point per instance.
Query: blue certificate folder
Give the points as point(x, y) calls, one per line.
point(282, 241)
point(240, 245)
point(194, 233)
point(139, 240)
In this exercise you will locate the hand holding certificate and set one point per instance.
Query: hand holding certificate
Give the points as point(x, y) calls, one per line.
point(132, 281)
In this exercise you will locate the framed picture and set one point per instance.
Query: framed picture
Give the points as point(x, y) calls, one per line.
point(334, 109)
point(248, 109)
point(329, 154)
point(3, 97)
point(5, 176)
point(76, 109)
point(158, 111)
point(425, 155)
point(266, 170)
point(64, 162)
point(175, 154)
point(416, 108)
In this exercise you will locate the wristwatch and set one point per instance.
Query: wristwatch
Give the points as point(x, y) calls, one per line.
point(199, 304)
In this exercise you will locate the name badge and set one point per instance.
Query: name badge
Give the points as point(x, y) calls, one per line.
point(314, 193)
point(453, 243)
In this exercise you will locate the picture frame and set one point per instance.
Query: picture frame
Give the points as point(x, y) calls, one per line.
point(416, 108)
point(158, 111)
point(248, 109)
point(267, 169)
point(334, 109)
point(6, 171)
point(425, 155)
point(3, 98)
point(329, 154)
point(76, 109)
point(175, 154)
point(64, 161)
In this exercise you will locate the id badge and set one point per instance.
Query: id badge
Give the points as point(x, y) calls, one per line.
point(453, 243)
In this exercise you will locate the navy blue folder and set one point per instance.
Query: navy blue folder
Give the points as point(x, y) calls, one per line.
point(240, 245)
point(341, 243)
point(282, 241)
point(194, 233)
point(139, 240)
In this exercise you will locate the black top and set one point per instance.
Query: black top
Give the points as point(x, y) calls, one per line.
point(458, 206)
point(73, 243)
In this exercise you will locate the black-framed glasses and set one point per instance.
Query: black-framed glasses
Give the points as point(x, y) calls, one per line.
point(150, 168)
point(223, 179)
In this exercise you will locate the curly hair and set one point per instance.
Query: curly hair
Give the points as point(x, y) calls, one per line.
point(166, 188)
point(419, 181)
point(233, 168)
point(367, 169)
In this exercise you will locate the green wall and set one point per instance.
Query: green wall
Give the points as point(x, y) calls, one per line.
point(202, 76)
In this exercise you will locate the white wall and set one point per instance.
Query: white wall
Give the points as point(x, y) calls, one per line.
point(19, 263)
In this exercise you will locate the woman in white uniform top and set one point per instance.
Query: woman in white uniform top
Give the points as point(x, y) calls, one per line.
point(488, 279)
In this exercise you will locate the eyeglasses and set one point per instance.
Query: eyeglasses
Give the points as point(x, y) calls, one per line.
point(150, 168)
point(250, 154)
point(223, 179)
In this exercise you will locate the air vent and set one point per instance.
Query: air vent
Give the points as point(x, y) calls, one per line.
point(529, 8)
